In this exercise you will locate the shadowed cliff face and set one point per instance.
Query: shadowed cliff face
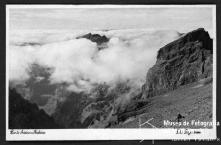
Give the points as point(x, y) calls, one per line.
point(26, 115)
point(182, 61)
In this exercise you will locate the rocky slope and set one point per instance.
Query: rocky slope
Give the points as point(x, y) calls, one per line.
point(38, 89)
point(26, 115)
point(181, 62)
point(96, 109)
point(191, 102)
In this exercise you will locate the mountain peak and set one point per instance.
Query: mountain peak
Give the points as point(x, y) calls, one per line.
point(199, 35)
point(95, 38)
point(185, 60)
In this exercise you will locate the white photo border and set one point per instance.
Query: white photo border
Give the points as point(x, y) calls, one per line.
point(111, 134)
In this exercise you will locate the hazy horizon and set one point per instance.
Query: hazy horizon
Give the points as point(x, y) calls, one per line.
point(181, 19)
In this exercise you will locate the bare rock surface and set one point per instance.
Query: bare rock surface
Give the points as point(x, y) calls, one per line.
point(97, 38)
point(187, 103)
point(180, 62)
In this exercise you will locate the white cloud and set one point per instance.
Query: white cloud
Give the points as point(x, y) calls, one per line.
point(78, 62)
point(20, 58)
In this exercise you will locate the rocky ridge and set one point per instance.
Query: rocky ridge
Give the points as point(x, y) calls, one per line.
point(183, 61)
point(101, 41)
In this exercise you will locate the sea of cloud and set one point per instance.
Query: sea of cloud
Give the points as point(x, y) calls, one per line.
point(78, 62)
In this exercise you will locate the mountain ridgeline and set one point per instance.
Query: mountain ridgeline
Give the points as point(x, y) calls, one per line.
point(26, 115)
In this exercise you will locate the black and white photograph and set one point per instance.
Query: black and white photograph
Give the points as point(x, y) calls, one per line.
point(93, 72)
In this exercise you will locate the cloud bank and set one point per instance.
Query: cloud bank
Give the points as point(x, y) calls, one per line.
point(78, 62)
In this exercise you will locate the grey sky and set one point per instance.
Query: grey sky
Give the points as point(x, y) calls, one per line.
point(180, 19)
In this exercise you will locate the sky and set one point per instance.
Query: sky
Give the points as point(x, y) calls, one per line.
point(181, 19)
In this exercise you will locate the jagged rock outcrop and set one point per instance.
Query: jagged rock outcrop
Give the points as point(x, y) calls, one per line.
point(95, 38)
point(26, 115)
point(180, 62)
point(100, 40)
